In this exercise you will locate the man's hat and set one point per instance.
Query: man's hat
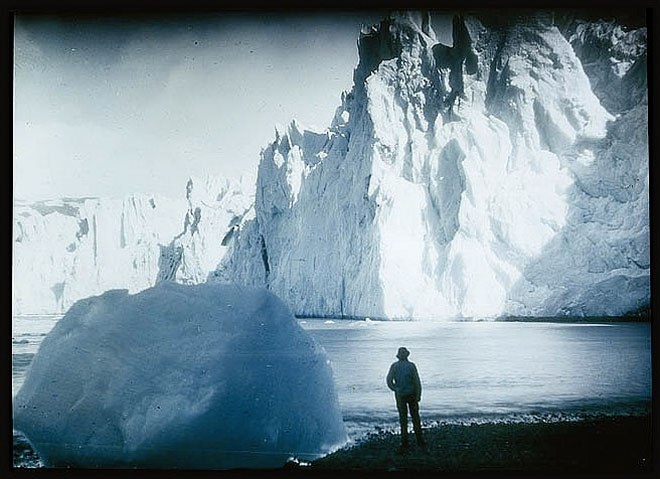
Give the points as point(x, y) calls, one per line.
point(403, 353)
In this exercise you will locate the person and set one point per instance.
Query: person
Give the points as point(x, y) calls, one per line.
point(403, 379)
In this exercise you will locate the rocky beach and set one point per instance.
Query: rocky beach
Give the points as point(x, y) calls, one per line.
point(614, 445)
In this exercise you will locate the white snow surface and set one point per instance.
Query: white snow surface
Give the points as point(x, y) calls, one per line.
point(179, 376)
point(526, 197)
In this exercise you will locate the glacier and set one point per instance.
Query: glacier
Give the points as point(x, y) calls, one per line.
point(179, 376)
point(72, 248)
point(482, 179)
point(506, 174)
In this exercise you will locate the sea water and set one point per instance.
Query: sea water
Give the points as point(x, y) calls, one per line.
point(488, 371)
point(27, 333)
point(477, 371)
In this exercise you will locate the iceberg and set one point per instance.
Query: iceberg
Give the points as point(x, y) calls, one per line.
point(179, 376)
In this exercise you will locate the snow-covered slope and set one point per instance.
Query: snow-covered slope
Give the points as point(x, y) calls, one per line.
point(482, 179)
point(65, 250)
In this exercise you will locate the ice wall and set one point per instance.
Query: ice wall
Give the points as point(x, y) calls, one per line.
point(216, 207)
point(474, 180)
point(176, 376)
point(607, 233)
point(504, 174)
point(68, 249)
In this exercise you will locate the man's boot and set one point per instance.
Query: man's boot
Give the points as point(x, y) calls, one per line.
point(404, 443)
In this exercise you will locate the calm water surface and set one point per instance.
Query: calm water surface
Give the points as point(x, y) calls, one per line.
point(485, 371)
point(471, 371)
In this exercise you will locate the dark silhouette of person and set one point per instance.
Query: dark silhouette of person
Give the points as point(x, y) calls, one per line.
point(403, 379)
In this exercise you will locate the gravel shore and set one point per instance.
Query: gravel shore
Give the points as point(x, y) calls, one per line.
point(620, 446)
point(607, 445)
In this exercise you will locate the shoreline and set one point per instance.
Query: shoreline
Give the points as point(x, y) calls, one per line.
point(605, 445)
point(618, 444)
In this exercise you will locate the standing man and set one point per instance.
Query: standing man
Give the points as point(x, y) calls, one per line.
point(403, 379)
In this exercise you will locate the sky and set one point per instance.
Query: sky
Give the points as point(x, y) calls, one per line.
point(111, 106)
point(117, 106)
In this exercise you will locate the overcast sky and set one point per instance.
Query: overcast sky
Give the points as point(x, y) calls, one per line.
point(111, 106)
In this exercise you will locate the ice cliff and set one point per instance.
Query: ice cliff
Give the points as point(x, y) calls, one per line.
point(506, 174)
point(72, 248)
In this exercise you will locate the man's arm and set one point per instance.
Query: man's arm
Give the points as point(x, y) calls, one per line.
point(390, 378)
point(418, 385)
